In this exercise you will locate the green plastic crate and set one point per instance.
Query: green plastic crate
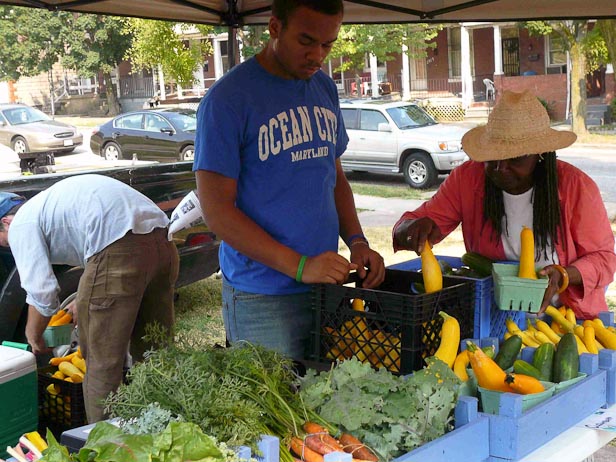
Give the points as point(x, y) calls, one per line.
point(512, 293)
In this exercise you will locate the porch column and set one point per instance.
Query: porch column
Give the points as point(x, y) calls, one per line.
point(406, 83)
point(467, 78)
point(161, 83)
point(198, 74)
point(498, 51)
point(342, 77)
point(218, 68)
point(374, 76)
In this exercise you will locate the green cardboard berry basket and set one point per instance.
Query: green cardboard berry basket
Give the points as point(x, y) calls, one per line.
point(490, 399)
point(513, 293)
point(58, 335)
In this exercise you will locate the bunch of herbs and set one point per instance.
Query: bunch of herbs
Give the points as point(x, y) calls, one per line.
point(236, 394)
point(390, 414)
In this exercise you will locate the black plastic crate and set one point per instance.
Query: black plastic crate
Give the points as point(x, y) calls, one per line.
point(397, 329)
point(62, 411)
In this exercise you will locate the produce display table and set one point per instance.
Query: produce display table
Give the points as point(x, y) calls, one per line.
point(573, 445)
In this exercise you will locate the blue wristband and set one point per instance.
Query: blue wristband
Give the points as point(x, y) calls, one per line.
point(355, 236)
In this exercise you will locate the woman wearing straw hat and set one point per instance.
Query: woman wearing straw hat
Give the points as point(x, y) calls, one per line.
point(512, 180)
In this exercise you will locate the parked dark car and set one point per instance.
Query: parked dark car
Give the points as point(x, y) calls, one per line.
point(26, 129)
point(157, 134)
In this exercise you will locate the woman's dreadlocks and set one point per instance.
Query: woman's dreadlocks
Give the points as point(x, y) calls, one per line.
point(546, 206)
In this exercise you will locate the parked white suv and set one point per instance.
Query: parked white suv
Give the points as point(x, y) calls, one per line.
point(399, 137)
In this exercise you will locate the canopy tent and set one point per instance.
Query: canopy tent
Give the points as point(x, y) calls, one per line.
point(238, 12)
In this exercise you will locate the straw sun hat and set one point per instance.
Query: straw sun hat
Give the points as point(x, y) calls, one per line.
point(518, 125)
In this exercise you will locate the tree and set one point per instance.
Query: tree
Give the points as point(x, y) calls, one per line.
point(161, 43)
point(382, 40)
point(607, 29)
point(32, 42)
point(97, 43)
point(580, 43)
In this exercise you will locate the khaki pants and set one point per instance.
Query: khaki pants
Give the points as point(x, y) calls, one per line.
point(124, 287)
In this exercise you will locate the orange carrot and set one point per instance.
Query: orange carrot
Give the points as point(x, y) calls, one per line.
point(306, 454)
point(317, 444)
point(319, 440)
point(357, 448)
point(314, 428)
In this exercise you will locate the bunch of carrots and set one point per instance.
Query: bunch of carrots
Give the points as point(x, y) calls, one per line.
point(317, 442)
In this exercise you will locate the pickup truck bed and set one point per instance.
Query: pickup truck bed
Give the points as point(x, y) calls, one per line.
point(165, 184)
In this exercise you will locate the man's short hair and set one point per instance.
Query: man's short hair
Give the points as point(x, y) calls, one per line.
point(282, 9)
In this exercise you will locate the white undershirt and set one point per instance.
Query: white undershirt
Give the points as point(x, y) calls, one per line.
point(518, 214)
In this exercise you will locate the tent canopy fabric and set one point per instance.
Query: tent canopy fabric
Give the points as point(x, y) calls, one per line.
point(238, 12)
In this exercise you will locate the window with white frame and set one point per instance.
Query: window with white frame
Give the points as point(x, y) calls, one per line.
point(556, 53)
point(454, 52)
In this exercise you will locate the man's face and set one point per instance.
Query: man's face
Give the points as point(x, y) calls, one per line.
point(5, 222)
point(301, 47)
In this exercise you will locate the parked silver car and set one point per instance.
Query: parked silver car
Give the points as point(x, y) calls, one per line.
point(386, 137)
point(26, 129)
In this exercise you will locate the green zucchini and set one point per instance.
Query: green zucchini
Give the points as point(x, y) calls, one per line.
point(522, 367)
point(508, 352)
point(566, 359)
point(478, 263)
point(543, 361)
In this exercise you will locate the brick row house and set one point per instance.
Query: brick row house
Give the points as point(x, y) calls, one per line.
point(474, 62)
point(466, 61)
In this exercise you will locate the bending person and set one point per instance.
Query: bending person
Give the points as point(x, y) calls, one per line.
point(119, 237)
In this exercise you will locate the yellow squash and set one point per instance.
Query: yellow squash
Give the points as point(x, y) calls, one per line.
point(450, 339)
point(431, 270)
point(527, 254)
point(489, 374)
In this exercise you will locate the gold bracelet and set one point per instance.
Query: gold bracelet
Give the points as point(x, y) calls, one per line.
point(565, 276)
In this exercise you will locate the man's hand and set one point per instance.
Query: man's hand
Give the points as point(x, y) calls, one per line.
point(71, 307)
point(412, 234)
point(364, 257)
point(328, 267)
point(34, 331)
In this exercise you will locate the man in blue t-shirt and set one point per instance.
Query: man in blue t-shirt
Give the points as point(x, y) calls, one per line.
point(271, 186)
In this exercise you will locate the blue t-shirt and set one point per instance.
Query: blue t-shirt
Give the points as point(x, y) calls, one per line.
point(280, 140)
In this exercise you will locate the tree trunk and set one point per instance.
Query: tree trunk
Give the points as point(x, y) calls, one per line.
point(578, 90)
point(112, 97)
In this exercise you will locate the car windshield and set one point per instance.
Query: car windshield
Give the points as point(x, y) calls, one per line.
point(410, 116)
point(185, 120)
point(24, 115)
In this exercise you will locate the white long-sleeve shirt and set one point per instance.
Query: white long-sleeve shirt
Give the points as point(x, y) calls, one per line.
point(68, 223)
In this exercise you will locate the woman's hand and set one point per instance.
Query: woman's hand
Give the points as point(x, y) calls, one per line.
point(559, 279)
point(412, 234)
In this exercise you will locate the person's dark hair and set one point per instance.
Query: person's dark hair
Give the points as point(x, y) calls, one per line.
point(546, 206)
point(282, 9)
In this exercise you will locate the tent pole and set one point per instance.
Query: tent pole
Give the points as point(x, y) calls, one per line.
point(232, 40)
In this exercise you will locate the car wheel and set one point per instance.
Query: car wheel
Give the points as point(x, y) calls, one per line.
point(20, 145)
point(419, 171)
point(188, 153)
point(112, 151)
